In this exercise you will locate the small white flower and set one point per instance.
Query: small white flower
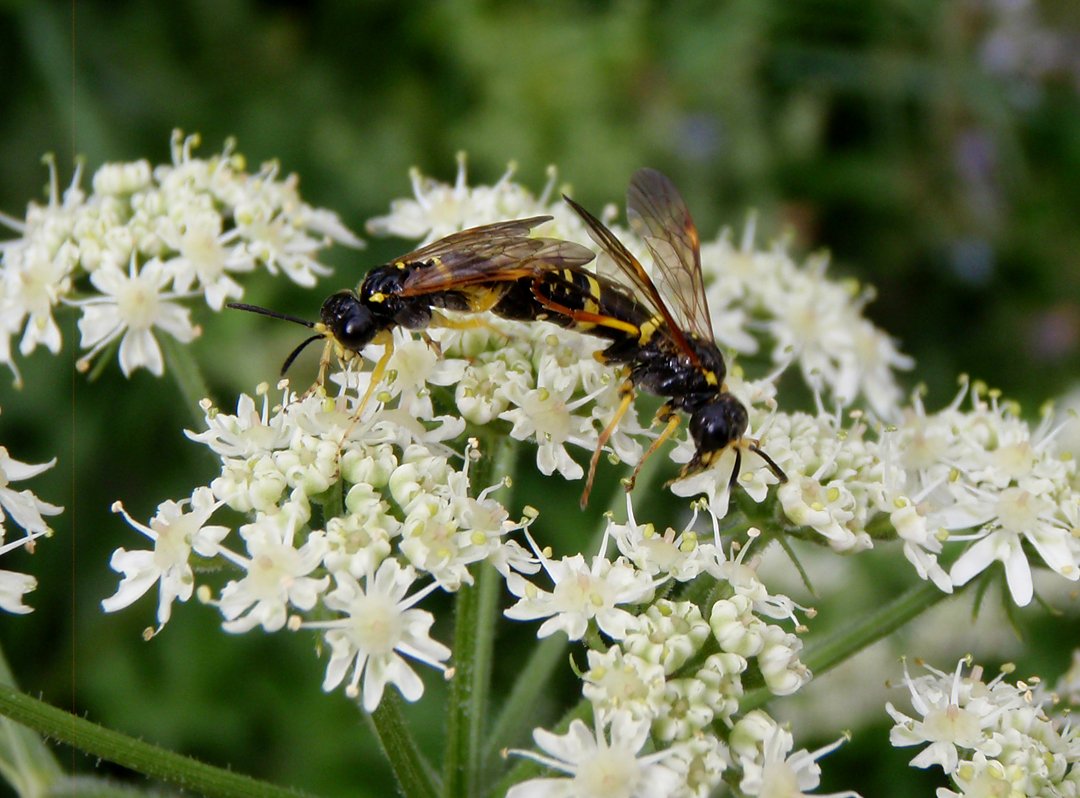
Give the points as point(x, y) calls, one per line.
point(131, 306)
point(580, 593)
point(703, 759)
point(310, 463)
point(438, 209)
point(688, 707)
point(175, 533)
point(380, 625)
point(249, 432)
point(547, 414)
point(358, 541)
point(252, 484)
point(778, 773)
point(736, 628)
point(277, 573)
point(668, 633)
point(22, 506)
point(414, 366)
point(1009, 518)
point(205, 256)
point(14, 585)
point(34, 281)
point(26, 510)
point(957, 715)
point(619, 681)
point(827, 509)
point(779, 662)
point(678, 555)
point(599, 768)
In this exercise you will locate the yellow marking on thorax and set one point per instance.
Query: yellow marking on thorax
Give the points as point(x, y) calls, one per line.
point(594, 287)
point(378, 296)
point(648, 329)
point(710, 377)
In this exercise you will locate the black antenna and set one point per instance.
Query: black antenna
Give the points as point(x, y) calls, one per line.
point(292, 355)
point(276, 315)
point(271, 313)
point(778, 472)
point(734, 480)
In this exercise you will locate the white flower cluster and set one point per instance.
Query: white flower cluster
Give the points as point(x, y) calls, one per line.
point(26, 511)
point(146, 237)
point(344, 517)
point(608, 761)
point(668, 669)
point(989, 738)
point(980, 477)
point(345, 512)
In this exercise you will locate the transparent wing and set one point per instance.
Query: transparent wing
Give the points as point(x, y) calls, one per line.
point(490, 253)
point(658, 213)
point(630, 275)
point(498, 231)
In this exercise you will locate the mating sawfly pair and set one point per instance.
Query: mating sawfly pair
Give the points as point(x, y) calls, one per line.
point(662, 346)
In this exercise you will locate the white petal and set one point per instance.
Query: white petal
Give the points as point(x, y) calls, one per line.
point(140, 348)
point(98, 323)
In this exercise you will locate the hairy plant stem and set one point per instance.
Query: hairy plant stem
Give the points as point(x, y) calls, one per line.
point(186, 773)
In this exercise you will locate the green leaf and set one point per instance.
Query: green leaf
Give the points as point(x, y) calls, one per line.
point(150, 760)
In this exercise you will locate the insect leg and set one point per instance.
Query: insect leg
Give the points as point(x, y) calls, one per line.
point(377, 374)
point(473, 323)
point(627, 391)
point(581, 316)
point(665, 413)
point(324, 365)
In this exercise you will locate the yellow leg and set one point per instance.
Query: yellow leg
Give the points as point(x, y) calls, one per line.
point(471, 323)
point(324, 366)
point(376, 375)
point(627, 391)
point(672, 418)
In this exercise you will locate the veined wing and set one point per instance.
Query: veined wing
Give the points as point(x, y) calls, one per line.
point(658, 213)
point(630, 275)
point(497, 252)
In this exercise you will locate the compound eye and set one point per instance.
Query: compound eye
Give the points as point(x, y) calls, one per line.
point(348, 320)
point(718, 424)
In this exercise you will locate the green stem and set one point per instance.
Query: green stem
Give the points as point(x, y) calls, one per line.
point(477, 609)
point(414, 775)
point(26, 763)
point(185, 371)
point(518, 714)
point(150, 760)
point(843, 644)
point(459, 768)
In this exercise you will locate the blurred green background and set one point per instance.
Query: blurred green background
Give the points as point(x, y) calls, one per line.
point(933, 147)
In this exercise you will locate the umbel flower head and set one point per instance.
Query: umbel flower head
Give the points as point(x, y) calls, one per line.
point(143, 240)
point(989, 737)
point(354, 521)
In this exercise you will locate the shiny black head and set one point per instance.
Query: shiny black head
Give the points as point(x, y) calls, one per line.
point(348, 320)
point(718, 424)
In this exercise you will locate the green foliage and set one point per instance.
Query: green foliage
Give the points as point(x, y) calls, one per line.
point(873, 129)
